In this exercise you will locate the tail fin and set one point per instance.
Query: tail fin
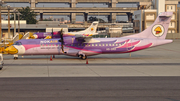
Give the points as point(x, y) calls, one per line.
point(91, 29)
point(159, 29)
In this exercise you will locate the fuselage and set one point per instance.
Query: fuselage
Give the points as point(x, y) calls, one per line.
point(42, 35)
point(75, 47)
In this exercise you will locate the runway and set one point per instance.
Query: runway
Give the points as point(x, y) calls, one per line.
point(90, 89)
point(148, 75)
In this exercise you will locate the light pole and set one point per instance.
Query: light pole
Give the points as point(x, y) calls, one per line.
point(1, 3)
point(15, 21)
point(9, 8)
point(18, 22)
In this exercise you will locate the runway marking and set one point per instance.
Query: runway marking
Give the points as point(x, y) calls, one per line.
point(92, 64)
point(93, 71)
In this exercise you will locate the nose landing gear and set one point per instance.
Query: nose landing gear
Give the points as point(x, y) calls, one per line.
point(15, 57)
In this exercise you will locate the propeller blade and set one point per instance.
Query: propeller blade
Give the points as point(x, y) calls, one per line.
point(52, 33)
point(62, 40)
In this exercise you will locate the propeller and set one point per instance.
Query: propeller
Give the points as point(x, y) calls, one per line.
point(52, 33)
point(62, 40)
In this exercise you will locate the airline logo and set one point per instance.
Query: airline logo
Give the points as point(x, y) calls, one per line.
point(158, 30)
point(92, 29)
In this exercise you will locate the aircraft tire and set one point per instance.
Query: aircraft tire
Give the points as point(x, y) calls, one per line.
point(80, 56)
point(83, 57)
point(15, 58)
point(1, 67)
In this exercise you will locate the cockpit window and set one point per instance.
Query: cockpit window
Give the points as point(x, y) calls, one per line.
point(17, 43)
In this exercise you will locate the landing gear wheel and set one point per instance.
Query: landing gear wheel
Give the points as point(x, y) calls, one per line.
point(15, 58)
point(80, 56)
point(83, 57)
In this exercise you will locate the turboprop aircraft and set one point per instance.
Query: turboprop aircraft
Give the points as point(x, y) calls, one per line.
point(91, 30)
point(88, 46)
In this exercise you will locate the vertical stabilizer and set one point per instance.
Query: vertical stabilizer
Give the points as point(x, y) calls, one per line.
point(159, 29)
point(91, 29)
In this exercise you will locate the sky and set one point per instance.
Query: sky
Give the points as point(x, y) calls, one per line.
point(78, 18)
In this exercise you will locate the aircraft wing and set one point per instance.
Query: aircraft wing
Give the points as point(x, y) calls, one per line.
point(87, 39)
point(83, 39)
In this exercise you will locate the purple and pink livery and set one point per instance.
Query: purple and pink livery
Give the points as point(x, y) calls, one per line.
point(87, 46)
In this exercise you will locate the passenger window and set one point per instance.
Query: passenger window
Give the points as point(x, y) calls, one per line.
point(92, 44)
point(102, 44)
point(119, 44)
point(109, 44)
point(112, 44)
point(116, 44)
point(89, 45)
point(99, 44)
point(106, 44)
point(96, 45)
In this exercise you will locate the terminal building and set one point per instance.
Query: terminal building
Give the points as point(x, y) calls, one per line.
point(148, 11)
point(140, 17)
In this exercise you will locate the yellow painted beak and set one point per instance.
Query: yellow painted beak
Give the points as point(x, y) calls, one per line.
point(11, 50)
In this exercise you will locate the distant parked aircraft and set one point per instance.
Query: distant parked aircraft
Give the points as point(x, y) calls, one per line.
point(91, 30)
point(88, 46)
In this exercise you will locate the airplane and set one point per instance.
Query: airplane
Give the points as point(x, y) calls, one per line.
point(91, 30)
point(82, 47)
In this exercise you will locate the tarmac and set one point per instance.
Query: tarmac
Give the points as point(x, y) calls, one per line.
point(157, 61)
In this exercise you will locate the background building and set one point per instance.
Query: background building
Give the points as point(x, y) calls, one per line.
point(148, 11)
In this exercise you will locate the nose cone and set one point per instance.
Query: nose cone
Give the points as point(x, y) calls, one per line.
point(11, 50)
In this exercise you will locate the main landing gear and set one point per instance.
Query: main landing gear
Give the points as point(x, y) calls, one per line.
point(82, 56)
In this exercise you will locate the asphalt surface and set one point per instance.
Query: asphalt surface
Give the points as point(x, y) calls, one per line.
point(90, 89)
